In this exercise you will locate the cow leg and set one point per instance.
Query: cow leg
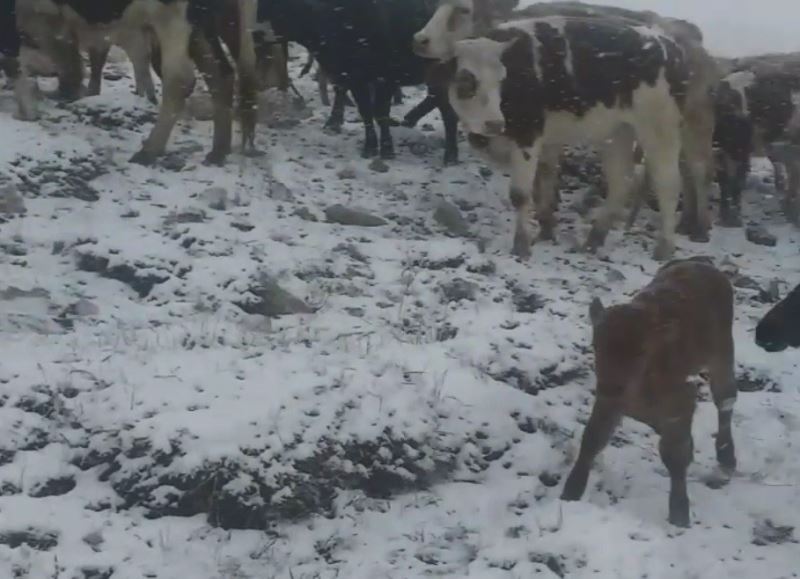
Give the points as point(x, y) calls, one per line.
point(363, 96)
point(64, 50)
point(336, 118)
point(208, 55)
point(697, 170)
point(677, 448)
point(604, 419)
point(661, 143)
point(724, 391)
point(137, 46)
point(616, 155)
point(421, 109)
point(177, 74)
point(24, 89)
point(732, 176)
point(524, 164)
point(450, 121)
point(384, 92)
point(97, 61)
point(545, 191)
point(322, 87)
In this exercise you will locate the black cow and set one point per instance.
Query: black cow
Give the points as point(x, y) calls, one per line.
point(363, 44)
point(780, 327)
point(186, 31)
point(9, 59)
point(756, 114)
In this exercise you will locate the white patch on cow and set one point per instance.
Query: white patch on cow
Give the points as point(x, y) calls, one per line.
point(452, 21)
point(481, 58)
point(265, 27)
point(740, 81)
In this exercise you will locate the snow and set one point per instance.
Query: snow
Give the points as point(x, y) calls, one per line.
point(181, 378)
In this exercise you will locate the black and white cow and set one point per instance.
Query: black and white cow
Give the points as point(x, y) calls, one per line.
point(185, 31)
point(560, 80)
point(459, 19)
point(757, 113)
point(365, 46)
point(10, 44)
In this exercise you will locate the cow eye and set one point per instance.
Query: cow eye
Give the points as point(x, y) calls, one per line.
point(466, 85)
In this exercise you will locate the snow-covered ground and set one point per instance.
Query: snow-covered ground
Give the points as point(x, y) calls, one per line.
point(416, 418)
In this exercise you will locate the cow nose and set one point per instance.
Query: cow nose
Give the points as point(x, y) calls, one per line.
point(494, 127)
point(421, 43)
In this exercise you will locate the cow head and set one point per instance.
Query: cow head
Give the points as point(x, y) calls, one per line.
point(475, 90)
point(456, 20)
point(780, 327)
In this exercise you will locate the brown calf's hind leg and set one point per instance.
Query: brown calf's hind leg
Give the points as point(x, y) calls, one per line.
point(602, 422)
point(677, 448)
point(724, 391)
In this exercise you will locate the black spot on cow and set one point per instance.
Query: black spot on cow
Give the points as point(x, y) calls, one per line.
point(9, 35)
point(587, 63)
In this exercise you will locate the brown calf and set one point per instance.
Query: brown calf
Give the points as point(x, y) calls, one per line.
point(676, 326)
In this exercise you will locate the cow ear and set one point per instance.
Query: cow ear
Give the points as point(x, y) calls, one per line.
point(596, 311)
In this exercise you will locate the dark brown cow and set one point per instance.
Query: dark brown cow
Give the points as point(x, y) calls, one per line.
point(676, 326)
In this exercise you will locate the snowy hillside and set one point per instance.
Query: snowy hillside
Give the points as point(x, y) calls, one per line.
point(412, 414)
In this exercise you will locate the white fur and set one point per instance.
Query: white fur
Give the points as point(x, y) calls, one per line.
point(739, 81)
point(440, 38)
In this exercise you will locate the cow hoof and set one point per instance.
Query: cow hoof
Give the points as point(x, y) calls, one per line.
point(369, 151)
point(215, 158)
point(680, 520)
point(698, 236)
point(730, 220)
point(596, 239)
point(387, 153)
point(450, 160)
point(664, 250)
point(408, 123)
point(546, 234)
point(145, 158)
point(332, 129)
point(521, 247)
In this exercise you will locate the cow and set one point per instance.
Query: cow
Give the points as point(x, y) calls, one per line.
point(10, 44)
point(364, 43)
point(779, 328)
point(644, 351)
point(757, 114)
point(556, 80)
point(186, 31)
point(460, 19)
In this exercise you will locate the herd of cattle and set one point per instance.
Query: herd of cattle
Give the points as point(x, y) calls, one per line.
point(523, 83)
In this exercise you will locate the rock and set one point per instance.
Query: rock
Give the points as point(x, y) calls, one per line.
point(279, 191)
point(459, 289)
point(745, 282)
point(768, 533)
point(759, 235)
point(83, 308)
point(34, 538)
point(267, 298)
point(305, 214)
point(11, 202)
point(216, 198)
point(352, 251)
point(189, 215)
point(449, 216)
point(142, 284)
point(53, 487)
point(485, 172)
point(94, 540)
point(347, 216)
point(347, 173)
point(527, 302)
point(96, 572)
point(379, 166)
point(614, 275)
point(13, 293)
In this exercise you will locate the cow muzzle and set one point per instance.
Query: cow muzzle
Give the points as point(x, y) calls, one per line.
point(493, 128)
point(421, 45)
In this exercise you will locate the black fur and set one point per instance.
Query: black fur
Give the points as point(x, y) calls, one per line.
point(766, 109)
point(9, 35)
point(364, 43)
point(609, 62)
point(780, 327)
